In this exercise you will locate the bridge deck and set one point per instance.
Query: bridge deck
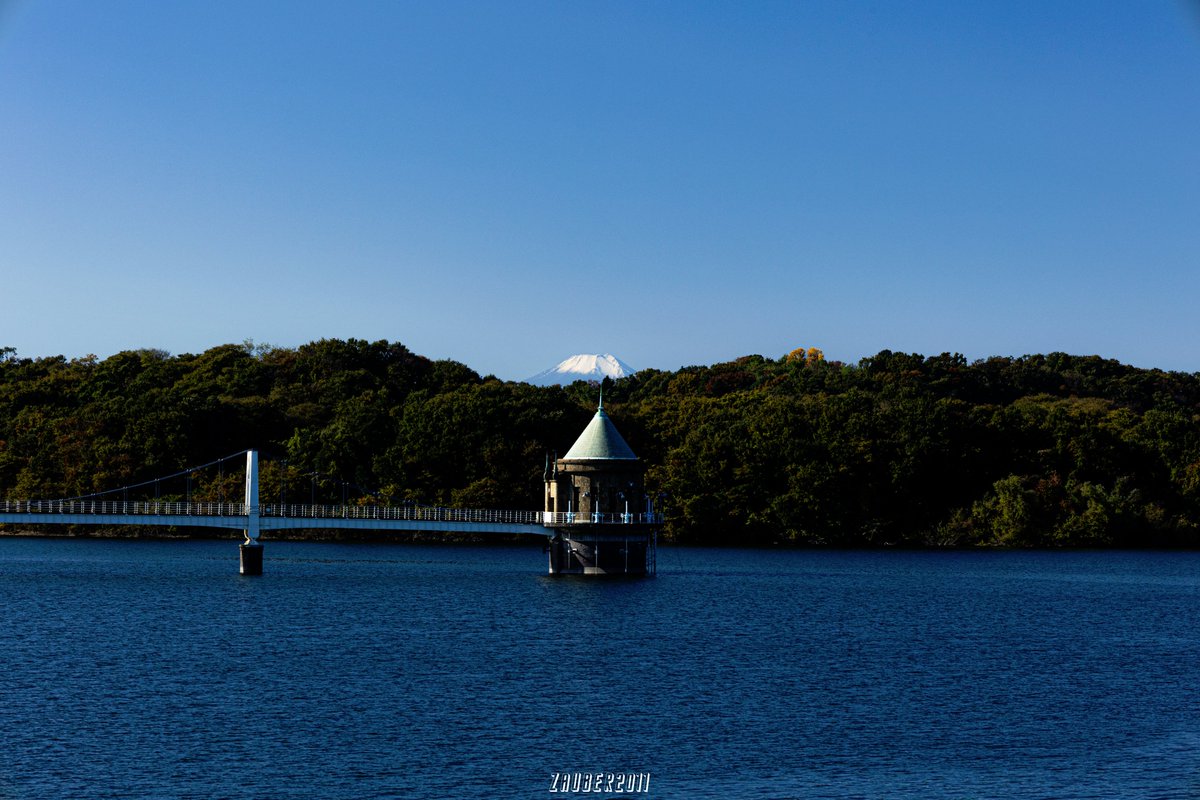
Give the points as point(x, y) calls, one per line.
point(274, 523)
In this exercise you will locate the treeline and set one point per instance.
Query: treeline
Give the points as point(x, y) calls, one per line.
point(899, 449)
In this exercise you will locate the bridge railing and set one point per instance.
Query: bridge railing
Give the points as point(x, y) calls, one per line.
point(407, 513)
point(122, 507)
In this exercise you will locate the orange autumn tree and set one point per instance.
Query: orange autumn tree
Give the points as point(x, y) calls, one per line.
point(810, 357)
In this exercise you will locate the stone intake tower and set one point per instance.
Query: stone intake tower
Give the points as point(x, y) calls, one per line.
point(597, 504)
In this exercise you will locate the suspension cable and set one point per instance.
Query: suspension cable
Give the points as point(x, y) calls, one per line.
point(154, 481)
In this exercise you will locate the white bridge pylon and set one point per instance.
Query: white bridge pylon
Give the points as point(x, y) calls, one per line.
point(253, 510)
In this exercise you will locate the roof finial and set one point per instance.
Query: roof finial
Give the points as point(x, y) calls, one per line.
point(601, 406)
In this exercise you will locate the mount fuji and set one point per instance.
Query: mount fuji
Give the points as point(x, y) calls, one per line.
point(584, 367)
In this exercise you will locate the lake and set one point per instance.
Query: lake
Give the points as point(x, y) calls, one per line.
point(151, 669)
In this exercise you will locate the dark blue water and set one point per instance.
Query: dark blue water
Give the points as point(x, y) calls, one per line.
point(152, 670)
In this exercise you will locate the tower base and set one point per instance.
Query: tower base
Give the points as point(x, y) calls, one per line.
point(587, 550)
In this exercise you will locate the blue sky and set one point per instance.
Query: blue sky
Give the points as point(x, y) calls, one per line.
point(509, 183)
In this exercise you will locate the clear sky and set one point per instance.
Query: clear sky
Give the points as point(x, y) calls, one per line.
point(509, 183)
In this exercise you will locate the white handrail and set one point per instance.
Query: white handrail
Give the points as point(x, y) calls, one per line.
point(405, 513)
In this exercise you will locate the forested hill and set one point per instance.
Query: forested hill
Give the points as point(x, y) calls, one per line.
point(899, 449)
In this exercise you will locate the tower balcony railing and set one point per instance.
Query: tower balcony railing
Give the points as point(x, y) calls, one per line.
point(598, 518)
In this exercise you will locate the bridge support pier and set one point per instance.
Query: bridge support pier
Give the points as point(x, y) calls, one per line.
point(250, 556)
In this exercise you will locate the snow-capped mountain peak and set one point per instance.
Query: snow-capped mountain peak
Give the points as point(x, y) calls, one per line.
point(583, 367)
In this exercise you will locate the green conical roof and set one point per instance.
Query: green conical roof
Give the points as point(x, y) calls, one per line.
point(600, 442)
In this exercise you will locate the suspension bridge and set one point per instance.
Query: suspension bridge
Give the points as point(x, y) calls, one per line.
point(253, 518)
